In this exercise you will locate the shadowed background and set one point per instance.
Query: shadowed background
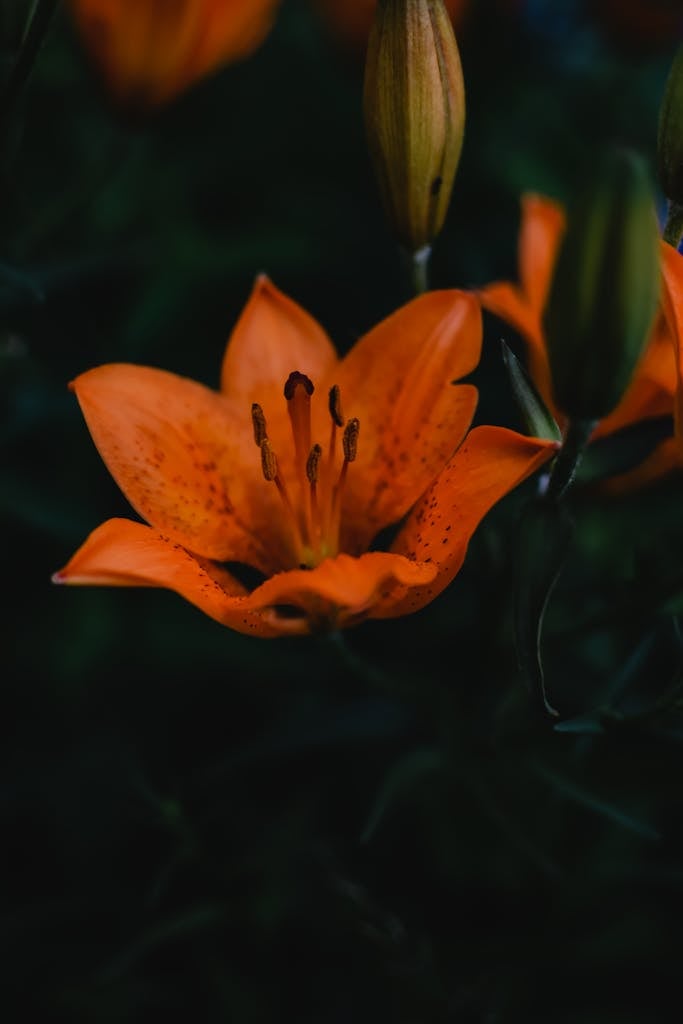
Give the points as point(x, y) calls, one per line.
point(215, 828)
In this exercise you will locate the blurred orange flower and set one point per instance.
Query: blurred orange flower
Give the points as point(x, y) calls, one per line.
point(291, 487)
point(148, 51)
point(657, 385)
point(351, 19)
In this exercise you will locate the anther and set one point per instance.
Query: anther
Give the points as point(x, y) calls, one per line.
point(335, 406)
point(268, 460)
point(312, 463)
point(350, 439)
point(259, 424)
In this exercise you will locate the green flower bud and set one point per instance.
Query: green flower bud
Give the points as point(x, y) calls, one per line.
point(670, 133)
point(605, 288)
point(414, 107)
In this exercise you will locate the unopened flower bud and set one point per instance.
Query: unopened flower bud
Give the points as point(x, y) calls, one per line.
point(670, 133)
point(414, 106)
point(605, 288)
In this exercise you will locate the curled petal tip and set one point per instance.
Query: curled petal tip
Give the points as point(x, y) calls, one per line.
point(58, 577)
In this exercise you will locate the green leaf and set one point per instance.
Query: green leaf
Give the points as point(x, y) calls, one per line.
point(399, 779)
point(583, 725)
point(544, 534)
point(539, 420)
point(579, 796)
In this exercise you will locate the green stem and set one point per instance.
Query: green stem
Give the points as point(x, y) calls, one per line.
point(417, 268)
point(567, 462)
point(43, 13)
point(673, 229)
point(421, 269)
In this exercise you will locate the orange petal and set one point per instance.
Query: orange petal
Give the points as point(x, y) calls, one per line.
point(343, 590)
point(127, 554)
point(185, 460)
point(672, 301)
point(232, 30)
point(507, 302)
point(149, 52)
point(490, 463)
point(665, 459)
point(272, 337)
point(398, 380)
point(652, 389)
point(541, 230)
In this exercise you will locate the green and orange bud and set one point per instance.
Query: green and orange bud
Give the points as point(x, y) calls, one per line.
point(414, 107)
point(670, 133)
point(605, 288)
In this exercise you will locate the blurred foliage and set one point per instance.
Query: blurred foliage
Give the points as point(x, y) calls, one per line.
point(202, 826)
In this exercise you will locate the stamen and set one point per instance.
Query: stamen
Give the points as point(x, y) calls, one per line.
point(259, 424)
point(268, 460)
point(312, 464)
point(350, 446)
point(335, 406)
point(314, 518)
point(350, 440)
point(312, 470)
point(270, 471)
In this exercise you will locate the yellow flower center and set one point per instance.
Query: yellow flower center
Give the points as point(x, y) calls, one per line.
point(313, 519)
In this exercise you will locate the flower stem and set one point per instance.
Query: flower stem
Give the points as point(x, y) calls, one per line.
point(673, 229)
point(43, 12)
point(567, 462)
point(417, 266)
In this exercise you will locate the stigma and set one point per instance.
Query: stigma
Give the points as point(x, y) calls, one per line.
point(312, 495)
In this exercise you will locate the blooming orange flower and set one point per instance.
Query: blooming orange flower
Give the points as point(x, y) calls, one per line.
point(148, 51)
point(286, 483)
point(657, 385)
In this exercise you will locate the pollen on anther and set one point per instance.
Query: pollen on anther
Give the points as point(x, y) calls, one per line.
point(335, 405)
point(259, 423)
point(312, 463)
point(350, 439)
point(268, 460)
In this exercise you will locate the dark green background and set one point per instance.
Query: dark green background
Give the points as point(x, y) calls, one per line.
point(201, 826)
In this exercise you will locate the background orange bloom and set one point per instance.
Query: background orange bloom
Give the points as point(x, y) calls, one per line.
point(148, 51)
point(655, 389)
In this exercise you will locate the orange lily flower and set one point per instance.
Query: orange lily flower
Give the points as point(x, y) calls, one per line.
point(148, 51)
point(656, 388)
point(287, 484)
